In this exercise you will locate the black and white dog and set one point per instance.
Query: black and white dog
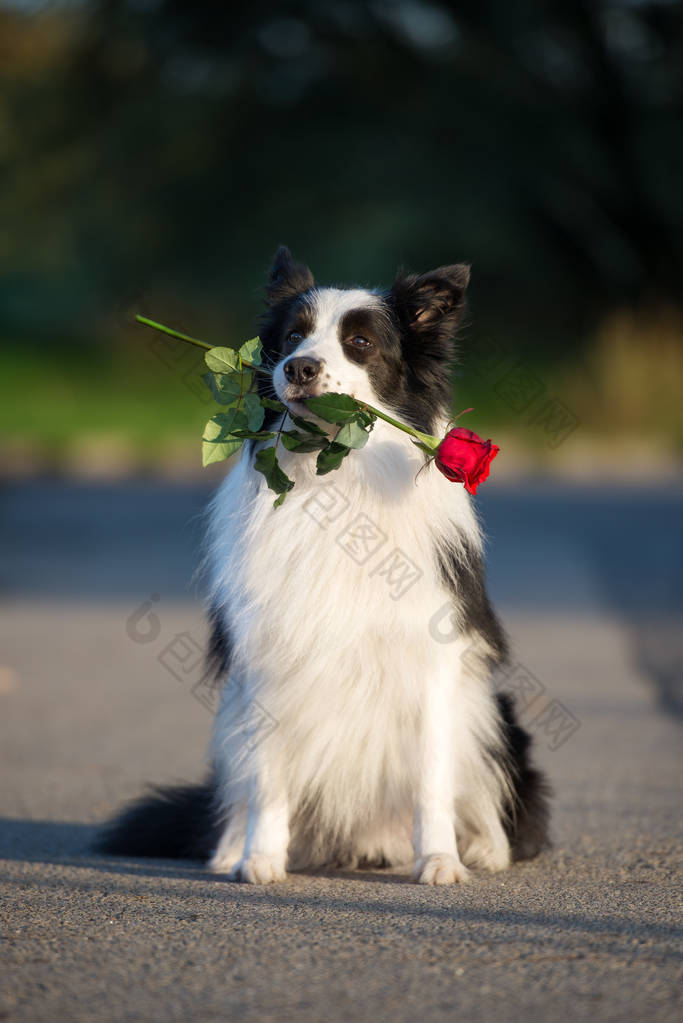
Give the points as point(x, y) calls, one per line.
point(384, 744)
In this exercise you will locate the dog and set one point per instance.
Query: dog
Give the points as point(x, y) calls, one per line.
point(352, 731)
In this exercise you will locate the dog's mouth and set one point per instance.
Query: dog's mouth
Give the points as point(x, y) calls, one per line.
point(295, 398)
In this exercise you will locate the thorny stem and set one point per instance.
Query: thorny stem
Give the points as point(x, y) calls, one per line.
point(425, 438)
point(194, 341)
point(280, 429)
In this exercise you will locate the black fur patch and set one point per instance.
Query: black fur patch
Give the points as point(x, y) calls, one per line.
point(375, 325)
point(287, 278)
point(430, 304)
point(286, 311)
point(427, 309)
point(171, 822)
point(527, 814)
point(384, 362)
point(292, 314)
point(219, 652)
point(465, 578)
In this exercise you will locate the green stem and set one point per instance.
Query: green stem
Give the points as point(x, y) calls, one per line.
point(193, 341)
point(280, 429)
point(426, 438)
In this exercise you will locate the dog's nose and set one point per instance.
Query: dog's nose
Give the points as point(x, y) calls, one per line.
point(302, 370)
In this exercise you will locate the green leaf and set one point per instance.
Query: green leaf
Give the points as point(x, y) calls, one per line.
point(254, 411)
point(307, 425)
point(251, 351)
point(276, 406)
point(331, 458)
point(212, 382)
point(366, 418)
point(266, 462)
point(334, 408)
point(218, 451)
point(280, 500)
point(294, 440)
point(235, 419)
point(352, 435)
point(215, 449)
point(227, 387)
point(254, 434)
point(222, 360)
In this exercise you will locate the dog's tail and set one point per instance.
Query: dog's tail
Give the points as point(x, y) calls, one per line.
point(173, 822)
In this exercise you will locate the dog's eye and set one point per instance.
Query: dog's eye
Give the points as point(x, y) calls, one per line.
point(359, 342)
point(294, 337)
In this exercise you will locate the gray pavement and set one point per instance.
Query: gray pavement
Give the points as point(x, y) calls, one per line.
point(92, 705)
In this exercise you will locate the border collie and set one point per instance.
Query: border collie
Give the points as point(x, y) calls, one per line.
point(350, 731)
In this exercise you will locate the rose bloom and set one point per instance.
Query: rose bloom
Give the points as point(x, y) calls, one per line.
point(463, 457)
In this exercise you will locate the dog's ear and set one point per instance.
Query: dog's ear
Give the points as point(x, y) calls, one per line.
point(432, 301)
point(287, 278)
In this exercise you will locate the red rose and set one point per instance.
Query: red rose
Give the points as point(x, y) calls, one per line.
point(465, 458)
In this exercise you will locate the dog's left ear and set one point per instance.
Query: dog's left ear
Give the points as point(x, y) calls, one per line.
point(287, 278)
point(432, 301)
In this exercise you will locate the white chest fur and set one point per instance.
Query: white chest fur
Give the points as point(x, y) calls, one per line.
point(328, 601)
point(348, 559)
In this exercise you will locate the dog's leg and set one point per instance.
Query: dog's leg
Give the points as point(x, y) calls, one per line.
point(264, 858)
point(488, 848)
point(232, 841)
point(252, 791)
point(436, 854)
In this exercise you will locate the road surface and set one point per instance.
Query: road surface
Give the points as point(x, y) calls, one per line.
point(96, 587)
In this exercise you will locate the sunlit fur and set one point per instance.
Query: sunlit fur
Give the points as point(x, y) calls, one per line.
point(351, 731)
point(369, 706)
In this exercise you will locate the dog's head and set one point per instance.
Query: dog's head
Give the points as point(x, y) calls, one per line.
point(390, 348)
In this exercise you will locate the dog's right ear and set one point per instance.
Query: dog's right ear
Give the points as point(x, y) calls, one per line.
point(287, 278)
point(432, 302)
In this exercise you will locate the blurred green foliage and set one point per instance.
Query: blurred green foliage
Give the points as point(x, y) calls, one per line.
point(50, 397)
point(153, 153)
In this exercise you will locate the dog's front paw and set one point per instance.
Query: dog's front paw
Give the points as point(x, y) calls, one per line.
point(258, 869)
point(224, 861)
point(439, 868)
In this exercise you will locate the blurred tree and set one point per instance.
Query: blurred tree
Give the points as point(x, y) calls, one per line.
point(174, 143)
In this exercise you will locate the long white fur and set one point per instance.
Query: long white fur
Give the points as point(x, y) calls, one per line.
point(345, 727)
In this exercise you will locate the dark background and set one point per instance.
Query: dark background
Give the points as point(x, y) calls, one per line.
point(155, 152)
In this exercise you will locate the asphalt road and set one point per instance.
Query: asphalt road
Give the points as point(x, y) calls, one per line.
point(92, 705)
